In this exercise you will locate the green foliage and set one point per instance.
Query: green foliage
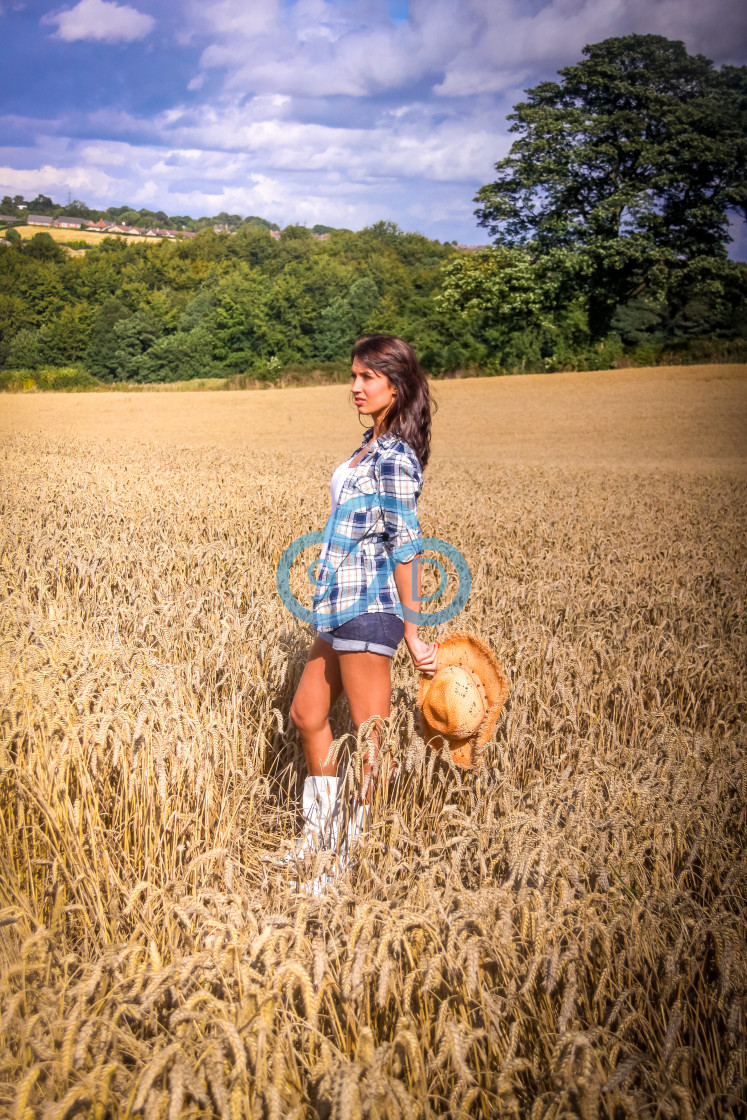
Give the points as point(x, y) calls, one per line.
point(72, 379)
point(634, 161)
point(102, 345)
point(11, 205)
point(260, 223)
point(610, 216)
point(134, 337)
point(42, 204)
point(178, 357)
point(43, 247)
point(344, 319)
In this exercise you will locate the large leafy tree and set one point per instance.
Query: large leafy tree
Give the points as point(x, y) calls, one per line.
point(636, 158)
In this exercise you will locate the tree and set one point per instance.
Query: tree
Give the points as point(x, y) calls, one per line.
point(522, 310)
point(636, 158)
point(134, 337)
point(78, 209)
point(343, 319)
point(42, 204)
point(178, 357)
point(13, 316)
point(66, 337)
point(103, 343)
point(43, 247)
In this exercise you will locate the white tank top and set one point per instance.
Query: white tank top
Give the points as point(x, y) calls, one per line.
point(337, 480)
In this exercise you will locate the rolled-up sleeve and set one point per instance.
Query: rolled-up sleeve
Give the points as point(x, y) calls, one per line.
point(400, 482)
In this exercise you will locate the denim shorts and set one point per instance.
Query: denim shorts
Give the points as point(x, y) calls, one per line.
point(378, 632)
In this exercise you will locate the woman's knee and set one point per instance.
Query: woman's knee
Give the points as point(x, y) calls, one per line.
point(305, 719)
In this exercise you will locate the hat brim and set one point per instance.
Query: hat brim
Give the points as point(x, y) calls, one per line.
point(463, 648)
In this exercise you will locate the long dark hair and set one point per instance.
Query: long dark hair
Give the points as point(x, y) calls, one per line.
point(409, 416)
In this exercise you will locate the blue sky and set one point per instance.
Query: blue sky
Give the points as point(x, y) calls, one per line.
point(336, 111)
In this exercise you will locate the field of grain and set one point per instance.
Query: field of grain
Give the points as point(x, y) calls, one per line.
point(559, 933)
point(91, 237)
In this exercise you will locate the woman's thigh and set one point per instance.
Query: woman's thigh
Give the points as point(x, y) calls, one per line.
point(318, 688)
point(366, 678)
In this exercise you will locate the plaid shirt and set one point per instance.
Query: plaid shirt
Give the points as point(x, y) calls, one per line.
point(366, 530)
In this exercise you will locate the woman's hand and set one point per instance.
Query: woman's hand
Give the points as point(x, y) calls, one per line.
point(423, 656)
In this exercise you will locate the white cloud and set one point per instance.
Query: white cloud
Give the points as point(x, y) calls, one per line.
point(330, 111)
point(509, 46)
point(234, 17)
point(319, 48)
point(354, 181)
point(105, 154)
point(411, 145)
point(100, 20)
point(82, 181)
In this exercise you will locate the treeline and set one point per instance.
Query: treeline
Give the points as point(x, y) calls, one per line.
point(248, 304)
point(611, 223)
point(219, 305)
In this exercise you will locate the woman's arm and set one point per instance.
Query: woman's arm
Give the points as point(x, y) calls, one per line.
point(423, 656)
point(404, 576)
point(399, 479)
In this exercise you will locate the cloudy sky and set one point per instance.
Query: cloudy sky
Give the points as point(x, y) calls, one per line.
point(335, 111)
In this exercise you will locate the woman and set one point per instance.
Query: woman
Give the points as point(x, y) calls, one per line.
point(366, 572)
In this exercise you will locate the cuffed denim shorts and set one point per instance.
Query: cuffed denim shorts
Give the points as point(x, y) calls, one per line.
point(378, 632)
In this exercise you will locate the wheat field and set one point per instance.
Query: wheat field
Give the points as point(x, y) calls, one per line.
point(91, 237)
point(557, 933)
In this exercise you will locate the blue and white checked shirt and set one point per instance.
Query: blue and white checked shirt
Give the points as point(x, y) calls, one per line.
point(366, 531)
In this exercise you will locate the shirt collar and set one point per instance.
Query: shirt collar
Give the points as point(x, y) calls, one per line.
point(384, 440)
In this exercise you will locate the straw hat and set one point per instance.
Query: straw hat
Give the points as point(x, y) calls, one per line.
point(464, 697)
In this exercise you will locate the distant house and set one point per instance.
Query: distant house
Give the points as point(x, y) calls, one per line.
point(8, 218)
point(275, 233)
point(118, 229)
point(40, 220)
point(101, 224)
point(470, 248)
point(66, 222)
point(320, 236)
point(188, 233)
point(222, 228)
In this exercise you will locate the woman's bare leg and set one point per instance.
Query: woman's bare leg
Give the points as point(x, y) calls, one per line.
point(366, 678)
point(318, 689)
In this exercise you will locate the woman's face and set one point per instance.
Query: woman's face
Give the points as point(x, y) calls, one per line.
point(373, 392)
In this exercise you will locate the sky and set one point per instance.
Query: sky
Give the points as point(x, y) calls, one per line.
point(340, 112)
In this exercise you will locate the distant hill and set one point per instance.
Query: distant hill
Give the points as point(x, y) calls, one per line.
point(17, 206)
